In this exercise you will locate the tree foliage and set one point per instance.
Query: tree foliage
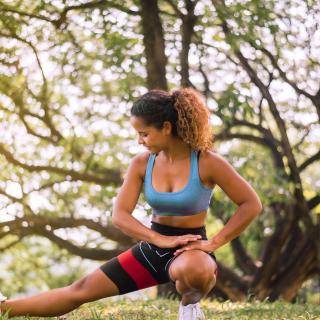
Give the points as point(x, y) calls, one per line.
point(69, 72)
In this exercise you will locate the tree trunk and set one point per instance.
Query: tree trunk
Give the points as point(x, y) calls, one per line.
point(154, 45)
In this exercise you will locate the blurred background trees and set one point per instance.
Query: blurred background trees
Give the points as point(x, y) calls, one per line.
point(69, 71)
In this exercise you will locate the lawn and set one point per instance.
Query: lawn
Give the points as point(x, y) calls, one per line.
point(163, 309)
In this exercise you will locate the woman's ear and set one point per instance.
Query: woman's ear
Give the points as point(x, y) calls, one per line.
point(167, 128)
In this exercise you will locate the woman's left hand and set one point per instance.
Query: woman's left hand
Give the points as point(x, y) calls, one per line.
point(204, 245)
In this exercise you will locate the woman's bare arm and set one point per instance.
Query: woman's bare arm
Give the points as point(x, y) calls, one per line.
point(126, 201)
point(239, 191)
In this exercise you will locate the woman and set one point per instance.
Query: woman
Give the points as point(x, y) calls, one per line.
point(179, 172)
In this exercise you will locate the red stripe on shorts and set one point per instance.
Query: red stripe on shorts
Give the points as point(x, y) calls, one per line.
point(141, 276)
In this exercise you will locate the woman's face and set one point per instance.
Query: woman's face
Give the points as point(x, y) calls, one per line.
point(152, 138)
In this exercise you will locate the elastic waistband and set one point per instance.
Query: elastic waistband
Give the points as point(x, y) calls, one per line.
point(169, 230)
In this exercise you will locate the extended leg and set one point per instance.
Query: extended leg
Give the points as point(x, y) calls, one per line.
point(59, 301)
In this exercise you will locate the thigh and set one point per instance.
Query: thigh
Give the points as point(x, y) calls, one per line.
point(137, 268)
point(192, 261)
point(94, 286)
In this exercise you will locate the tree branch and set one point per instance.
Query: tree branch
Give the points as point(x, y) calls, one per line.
point(6, 8)
point(110, 175)
point(309, 161)
point(283, 75)
point(301, 205)
point(40, 222)
point(313, 202)
point(175, 8)
point(244, 261)
point(44, 94)
point(63, 15)
point(231, 284)
point(83, 252)
point(265, 142)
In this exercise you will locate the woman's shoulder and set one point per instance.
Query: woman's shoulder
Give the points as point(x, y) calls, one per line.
point(212, 160)
point(140, 161)
point(210, 157)
point(216, 168)
point(142, 158)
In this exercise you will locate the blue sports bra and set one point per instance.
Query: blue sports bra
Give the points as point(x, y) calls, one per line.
point(192, 199)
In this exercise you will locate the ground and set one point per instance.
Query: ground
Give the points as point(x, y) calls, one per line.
point(163, 309)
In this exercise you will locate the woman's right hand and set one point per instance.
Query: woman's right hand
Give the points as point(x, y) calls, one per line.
point(176, 241)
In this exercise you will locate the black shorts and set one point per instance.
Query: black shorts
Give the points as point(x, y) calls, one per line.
point(145, 265)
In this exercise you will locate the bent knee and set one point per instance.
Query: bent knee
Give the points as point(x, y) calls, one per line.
point(196, 275)
point(186, 269)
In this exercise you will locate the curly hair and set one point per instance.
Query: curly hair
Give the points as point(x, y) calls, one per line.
point(186, 111)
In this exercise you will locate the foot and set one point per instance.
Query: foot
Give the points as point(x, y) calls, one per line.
point(2, 299)
point(190, 312)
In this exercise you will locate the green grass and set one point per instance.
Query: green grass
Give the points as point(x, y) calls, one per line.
point(163, 309)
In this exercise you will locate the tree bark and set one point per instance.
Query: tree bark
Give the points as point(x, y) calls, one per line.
point(187, 29)
point(153, 40)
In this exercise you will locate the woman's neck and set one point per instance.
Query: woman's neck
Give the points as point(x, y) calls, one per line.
point(177, 150)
